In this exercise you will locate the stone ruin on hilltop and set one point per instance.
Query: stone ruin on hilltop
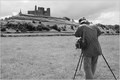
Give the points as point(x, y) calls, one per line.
point(40, 11)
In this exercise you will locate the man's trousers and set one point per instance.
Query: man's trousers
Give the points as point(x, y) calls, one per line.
point(90, 64)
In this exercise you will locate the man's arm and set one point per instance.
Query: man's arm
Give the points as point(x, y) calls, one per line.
point(78, 32)
point(99, 32)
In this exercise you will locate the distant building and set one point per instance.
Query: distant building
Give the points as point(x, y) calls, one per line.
point(20, 12)
point(40, 11)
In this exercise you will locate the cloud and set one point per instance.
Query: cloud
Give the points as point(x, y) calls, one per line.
point(14, 13)
point(25, 1)
point(108, 18)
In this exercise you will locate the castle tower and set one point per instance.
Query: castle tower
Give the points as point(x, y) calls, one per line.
point(35, 12)
point(35, 8)
point(41, 10)
point(20, 12)
point(48, 11)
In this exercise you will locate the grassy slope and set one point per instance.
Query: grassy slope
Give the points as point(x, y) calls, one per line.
point(52, 57)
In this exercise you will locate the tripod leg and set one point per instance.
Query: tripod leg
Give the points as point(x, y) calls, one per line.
point(109, 67)
point(77, 67)
point(81, 63)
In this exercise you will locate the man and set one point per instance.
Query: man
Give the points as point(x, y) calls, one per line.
point(93, 50)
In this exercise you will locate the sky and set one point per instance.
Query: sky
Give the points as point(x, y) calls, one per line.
point(96, 11)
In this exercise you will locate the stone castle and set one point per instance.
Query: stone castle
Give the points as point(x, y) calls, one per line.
point(40, 11)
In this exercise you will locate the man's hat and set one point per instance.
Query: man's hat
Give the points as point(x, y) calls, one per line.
point(84, 22)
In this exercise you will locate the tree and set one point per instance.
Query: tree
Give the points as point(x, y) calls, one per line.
point(117, 28)
point(66, 18)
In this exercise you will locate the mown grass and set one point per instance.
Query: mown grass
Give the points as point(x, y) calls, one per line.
point(53, 57)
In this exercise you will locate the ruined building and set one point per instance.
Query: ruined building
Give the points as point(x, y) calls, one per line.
point(40, 11)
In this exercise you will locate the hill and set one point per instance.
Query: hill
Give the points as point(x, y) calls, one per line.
point(31, 23)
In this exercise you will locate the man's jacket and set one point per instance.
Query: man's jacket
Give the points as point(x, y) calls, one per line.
point(91, 34)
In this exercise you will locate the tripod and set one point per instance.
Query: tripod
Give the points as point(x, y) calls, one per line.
point(79, 62)
point(109, 67)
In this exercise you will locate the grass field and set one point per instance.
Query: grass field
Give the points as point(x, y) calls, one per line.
point(53, 58)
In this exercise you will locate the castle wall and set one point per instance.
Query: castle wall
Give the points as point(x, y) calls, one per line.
point(31, 12)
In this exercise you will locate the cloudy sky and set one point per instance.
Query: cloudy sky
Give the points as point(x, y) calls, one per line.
point(97, 11)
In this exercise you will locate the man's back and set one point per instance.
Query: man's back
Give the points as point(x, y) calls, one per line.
point(91, 33)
